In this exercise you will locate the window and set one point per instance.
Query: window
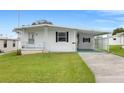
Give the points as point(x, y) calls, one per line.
point(13, 43)
point(114, 38)
point(86, 40)
point(5, 44)
point(61, 36)
point(31, 38)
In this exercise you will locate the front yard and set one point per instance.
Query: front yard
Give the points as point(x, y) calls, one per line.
point(49, 67)
point(116, 49)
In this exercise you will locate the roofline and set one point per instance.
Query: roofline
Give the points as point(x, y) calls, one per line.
point(47, 25)
point(8, 39)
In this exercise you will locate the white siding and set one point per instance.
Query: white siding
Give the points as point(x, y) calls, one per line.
point(115, 42)
point(50, 39)
point(61, 46)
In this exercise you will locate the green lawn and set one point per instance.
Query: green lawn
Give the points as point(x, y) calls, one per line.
point(116, 49)
point(49, 67)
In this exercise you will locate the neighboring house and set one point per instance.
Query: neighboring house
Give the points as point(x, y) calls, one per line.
point(115, 40)
point(121, 35)
point(51, 38)
point(7, 44)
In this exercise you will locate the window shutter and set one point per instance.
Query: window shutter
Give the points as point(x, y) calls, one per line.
point(67, 36)
point(56, 36)
point(89, 40)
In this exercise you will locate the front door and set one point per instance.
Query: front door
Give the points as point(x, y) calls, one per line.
point(31, 39)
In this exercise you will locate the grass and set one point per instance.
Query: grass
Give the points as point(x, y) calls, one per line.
point(47, 68)
point(116, 49)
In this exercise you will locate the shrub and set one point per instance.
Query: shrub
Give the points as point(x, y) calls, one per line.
point(19, 52)
point(118, 30)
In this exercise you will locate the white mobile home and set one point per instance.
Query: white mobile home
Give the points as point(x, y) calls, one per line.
point(51, 38)
point(7, 44)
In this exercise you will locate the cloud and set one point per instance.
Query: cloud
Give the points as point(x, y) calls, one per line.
point(105, 21)
point(121, 25)
point(112, 12)
point(119, 19)
point(111, 17)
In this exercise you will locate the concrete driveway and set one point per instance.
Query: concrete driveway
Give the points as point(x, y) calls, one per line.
point(108, 68)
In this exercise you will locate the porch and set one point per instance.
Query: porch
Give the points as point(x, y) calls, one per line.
point(28, 48)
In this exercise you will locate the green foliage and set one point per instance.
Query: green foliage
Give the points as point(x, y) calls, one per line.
point(48, 67)
point(34, 23)
point(118, 30)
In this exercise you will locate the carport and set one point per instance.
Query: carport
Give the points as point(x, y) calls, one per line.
point(89, 40)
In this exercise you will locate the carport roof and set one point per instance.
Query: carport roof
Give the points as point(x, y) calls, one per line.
point(93, 32)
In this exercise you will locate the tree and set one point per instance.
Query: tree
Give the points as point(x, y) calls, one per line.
point(42, 22)
point(118, 30)
point(34, 23)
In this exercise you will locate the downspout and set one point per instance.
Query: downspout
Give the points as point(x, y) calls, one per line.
point(18, 27)
point(93, 43)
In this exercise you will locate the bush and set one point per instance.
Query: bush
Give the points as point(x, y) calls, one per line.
point(1, 51)
point(117, 30)
point(19, 52)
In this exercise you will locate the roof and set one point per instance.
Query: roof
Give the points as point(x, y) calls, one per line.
point(119, 34)
point(75, 29)
point(5, 38)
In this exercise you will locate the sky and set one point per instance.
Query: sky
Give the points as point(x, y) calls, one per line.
point(86, 19)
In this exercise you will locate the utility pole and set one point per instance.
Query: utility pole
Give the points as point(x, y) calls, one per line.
point(18, 23)
point(18, 18)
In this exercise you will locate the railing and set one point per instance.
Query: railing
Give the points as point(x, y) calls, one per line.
point(40, 46)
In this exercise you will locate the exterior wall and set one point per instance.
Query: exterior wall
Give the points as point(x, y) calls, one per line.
point(9, 45)
point(61, 46)
point(122, 40)
point(85, 45)
point(46, 37)
point(101, 43)
point(118, 39)
point(115, 42)
point(38, 35)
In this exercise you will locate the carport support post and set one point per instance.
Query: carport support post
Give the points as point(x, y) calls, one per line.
point(122, 40)
point(93, 42)
point(108, 42)
point(75, 41)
